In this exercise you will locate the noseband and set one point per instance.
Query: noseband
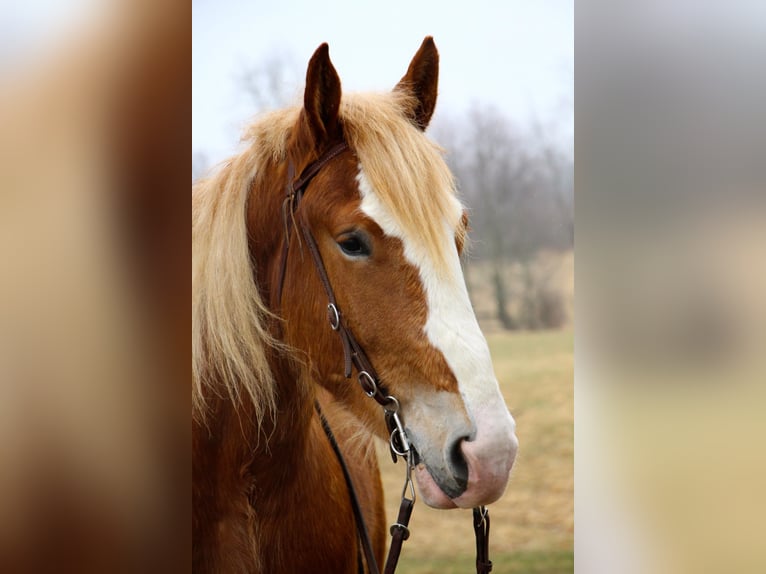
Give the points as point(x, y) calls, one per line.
point(354, 356)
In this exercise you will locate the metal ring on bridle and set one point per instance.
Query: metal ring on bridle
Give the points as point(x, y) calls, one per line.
point(373, 385)
point(409, 485)
point(334, 316)
point(391, 399)
point(399, 432)
point(403, 441)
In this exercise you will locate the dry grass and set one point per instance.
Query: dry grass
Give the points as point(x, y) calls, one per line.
point(533, 524)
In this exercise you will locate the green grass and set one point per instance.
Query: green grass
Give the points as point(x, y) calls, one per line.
point(530, 562)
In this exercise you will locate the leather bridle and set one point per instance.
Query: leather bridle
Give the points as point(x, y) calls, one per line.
point(354, 356)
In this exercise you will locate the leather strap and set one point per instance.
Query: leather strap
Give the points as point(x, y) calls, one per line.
point(481, 530)
point(399, 533)
point(293, 193)
point(316, 166)
point(354, 356)
point(353, 352)
point(361, 526)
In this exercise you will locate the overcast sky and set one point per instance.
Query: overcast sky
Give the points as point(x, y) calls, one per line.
point(517, 55)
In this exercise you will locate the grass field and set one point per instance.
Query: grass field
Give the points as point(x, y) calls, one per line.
point(533, 524)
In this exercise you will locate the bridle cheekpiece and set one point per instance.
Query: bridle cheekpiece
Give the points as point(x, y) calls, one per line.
point(354, 356)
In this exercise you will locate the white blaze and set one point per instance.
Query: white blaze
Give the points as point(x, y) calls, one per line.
point(451, 326)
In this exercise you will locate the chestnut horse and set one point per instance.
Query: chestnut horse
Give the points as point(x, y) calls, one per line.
point(269, 494)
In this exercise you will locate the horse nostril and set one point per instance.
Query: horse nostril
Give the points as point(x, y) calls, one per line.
point(457, 463)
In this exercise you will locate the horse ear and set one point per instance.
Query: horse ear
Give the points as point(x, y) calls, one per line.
point(421, 80)
point(321, 100)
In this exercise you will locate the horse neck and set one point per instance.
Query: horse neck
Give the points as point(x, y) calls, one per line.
point(250, 493)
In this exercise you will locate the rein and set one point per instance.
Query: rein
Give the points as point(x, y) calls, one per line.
point(354, 356)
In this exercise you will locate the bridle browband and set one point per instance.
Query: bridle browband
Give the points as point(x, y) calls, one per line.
point(354, 356)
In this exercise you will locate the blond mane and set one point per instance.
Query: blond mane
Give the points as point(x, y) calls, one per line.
point(405, 168)
point(229, 339)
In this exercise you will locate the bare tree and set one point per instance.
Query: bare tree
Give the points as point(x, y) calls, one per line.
point(558, 170)
point(272, 82)
point(493, 172)
point(520, 190)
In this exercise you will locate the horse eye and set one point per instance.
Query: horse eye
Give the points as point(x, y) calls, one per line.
point(354, 246)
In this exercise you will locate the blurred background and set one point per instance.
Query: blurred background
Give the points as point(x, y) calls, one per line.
point(505, 119)
point(671, 277)
point(94, 324)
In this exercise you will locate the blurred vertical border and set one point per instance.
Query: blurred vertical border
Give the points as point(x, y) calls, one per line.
point(670, 282)
point(94, 135)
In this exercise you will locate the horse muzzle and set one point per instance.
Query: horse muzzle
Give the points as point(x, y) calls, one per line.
point(474, 468)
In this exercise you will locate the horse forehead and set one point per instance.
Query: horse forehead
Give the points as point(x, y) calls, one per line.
point(412, 236)
point(333, 194)
point(338, 178)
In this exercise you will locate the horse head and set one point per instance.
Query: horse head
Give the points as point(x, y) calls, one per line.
point(390, 230)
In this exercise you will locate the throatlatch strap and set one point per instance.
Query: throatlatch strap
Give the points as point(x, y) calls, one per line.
point(361, 527)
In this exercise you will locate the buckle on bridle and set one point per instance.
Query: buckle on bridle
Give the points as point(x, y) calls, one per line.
point(368, 384)
point(398, 440)
point(399, 526)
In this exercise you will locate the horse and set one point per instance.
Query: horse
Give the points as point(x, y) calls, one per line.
point(367, 246)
